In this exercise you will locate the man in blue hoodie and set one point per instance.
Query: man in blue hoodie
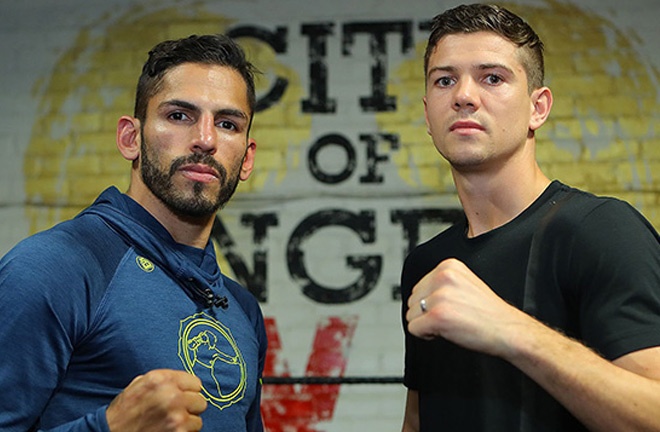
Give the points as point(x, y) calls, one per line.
point(120, 319)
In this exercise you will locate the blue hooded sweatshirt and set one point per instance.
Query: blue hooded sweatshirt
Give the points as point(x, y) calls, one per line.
point(95, 301)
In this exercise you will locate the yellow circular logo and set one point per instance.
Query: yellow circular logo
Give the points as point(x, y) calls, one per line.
point(208, 350)
point(144, 264)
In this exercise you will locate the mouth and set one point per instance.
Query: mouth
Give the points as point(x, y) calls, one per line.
point(466, 126)
point(200, 173)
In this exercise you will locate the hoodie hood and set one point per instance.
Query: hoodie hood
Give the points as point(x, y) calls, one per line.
point(196, 271)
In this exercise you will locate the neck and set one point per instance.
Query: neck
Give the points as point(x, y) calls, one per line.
point(190, 231)
point(491, 200)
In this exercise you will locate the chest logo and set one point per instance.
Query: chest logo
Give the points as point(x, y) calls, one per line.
point(144, 264)
point(208, 350)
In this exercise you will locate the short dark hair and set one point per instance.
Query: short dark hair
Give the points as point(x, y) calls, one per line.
point(482, 17)
point(207, 49)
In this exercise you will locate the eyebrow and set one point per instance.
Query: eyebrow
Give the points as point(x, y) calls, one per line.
point(487, 66)
point(231, 112)
point(483, 66)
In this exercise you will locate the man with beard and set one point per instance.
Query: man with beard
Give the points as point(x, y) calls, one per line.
point(120, 319)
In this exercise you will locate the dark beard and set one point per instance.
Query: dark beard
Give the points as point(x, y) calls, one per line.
point(159, 180)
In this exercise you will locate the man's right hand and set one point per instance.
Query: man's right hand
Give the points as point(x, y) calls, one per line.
point(161, 400)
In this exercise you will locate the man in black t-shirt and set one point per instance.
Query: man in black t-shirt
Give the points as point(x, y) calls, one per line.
point(540, 311)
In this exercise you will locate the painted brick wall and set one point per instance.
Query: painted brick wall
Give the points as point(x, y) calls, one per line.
point(347, 179)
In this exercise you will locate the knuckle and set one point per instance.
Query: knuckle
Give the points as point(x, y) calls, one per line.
point(175, 421)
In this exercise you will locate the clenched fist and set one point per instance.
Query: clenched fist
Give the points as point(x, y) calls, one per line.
point(161, 401)
point(454, 303)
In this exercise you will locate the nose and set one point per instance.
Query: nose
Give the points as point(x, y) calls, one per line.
point(205, 135)
point(466, 95)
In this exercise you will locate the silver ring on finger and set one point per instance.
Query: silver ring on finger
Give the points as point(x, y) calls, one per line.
point(422, 305)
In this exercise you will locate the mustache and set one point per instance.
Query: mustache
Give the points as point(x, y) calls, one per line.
point(198, 158)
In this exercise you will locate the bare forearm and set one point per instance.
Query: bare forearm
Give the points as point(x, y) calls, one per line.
point(602, 395)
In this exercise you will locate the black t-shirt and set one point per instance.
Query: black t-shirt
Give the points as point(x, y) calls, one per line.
point(587, 265)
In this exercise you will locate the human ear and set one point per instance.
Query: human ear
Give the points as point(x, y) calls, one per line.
point(129, 137)
point(248, 160)
point(426, 117)
point(541, 106)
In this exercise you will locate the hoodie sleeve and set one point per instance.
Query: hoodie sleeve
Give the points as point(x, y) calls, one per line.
point(44, 313)
point(254, 419)
point(93, 422)
point(251, 307)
